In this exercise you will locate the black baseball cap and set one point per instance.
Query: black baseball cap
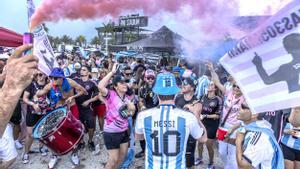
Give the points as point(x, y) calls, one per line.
point(118, 79)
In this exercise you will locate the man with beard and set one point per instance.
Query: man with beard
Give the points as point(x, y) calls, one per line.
point(147, 99)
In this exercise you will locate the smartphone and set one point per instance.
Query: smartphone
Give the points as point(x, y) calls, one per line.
point(28, 39)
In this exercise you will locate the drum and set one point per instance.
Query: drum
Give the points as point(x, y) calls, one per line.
point(59, 130)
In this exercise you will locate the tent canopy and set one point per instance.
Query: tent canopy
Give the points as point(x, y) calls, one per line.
point(10, 38)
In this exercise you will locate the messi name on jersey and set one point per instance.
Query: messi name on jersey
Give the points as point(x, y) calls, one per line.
point(164, 123)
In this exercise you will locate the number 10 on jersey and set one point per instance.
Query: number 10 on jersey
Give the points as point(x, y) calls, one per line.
point(170, 143)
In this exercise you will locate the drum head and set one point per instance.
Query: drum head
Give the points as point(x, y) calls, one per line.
point(49, 122)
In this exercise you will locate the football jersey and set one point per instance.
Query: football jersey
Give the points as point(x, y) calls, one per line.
point(166, 130)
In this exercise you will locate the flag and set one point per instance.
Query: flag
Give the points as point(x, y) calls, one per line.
point(42, 47)
point(266, 62)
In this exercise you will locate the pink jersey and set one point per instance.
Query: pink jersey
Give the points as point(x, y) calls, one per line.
point(113, 122)
point(233, 102)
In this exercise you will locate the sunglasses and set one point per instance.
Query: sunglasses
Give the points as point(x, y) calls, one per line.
point(245, 107)
point(56, 78)
point(40, 74)
point(150, 78)
point(235, 86)
point(185, 83)
point(128, 74)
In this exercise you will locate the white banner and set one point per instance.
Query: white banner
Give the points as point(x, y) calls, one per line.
point(43, 50)
point(266, 63)
point(42, 47)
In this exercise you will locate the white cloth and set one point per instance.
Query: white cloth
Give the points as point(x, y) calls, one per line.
point(7, 145)
point(228, 151)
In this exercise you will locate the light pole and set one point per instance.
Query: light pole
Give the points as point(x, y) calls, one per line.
point(106, 44)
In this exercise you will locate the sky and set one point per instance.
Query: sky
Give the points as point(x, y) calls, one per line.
point(13, 15)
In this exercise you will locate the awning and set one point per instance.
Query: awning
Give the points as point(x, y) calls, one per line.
point(10, 38)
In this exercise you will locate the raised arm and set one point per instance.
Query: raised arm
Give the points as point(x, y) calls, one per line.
point(215, 77)
point(103, 83)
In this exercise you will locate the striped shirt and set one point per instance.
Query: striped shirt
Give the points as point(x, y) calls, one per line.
point(166, 130)
point(113, 122)
point(203, 83)
point(289, 140)
point(257, 147)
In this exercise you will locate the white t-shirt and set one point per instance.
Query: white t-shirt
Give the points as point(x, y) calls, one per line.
point(7, 145)
point(258, 150)
point(166, 130)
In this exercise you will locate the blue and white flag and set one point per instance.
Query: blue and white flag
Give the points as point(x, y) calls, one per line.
point(42, 47)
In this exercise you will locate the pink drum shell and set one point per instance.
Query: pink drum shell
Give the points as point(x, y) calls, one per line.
point(65, 137)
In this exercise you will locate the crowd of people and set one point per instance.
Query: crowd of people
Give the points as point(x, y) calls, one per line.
point(177, 110)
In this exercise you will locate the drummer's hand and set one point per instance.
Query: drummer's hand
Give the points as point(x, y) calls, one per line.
point(36, 108)
point(85, 104)
point(69, 100)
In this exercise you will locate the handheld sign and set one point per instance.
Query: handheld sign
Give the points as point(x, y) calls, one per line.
point(266, 63)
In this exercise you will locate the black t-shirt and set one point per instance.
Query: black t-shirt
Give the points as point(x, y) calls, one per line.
point(277, 119)
point(181, 102)
point(90, 87)
point(211, 106)
point(42, 101)
point(98, 102)
point(150, 99)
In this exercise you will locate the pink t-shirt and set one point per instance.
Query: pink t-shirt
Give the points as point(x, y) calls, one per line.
point(113, 122)
point(233, 102)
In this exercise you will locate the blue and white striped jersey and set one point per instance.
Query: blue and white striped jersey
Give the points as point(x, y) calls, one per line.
point(203, 83)
point(289, 140)
point(166, 130)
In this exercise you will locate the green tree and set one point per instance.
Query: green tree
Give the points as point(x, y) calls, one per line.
point(81, 40)
point(66, 39)
point(96, 41)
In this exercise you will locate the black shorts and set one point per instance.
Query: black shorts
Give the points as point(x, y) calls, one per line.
point(190, 152)
point(87, 118)
point(32, 119)
point(114, 140)
point(16, 118)
point(211, 128)
point(290, 154)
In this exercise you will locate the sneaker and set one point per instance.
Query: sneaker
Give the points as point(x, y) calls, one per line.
point(53, 161)
point(91, 146)
point(198, 161)
point(75, 159)
point(210, 166)
point(18, 145)
point(139, 155)
point(43, 151)
point(25, 158)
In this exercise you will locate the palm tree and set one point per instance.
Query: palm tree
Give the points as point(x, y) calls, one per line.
point(81, 40)
point(96, 41)
point(66, 39)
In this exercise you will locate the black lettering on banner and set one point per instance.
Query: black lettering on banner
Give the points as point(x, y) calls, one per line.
point(49, 63)
point(272, 33)
point(295, 19)
point(166, 136)
point(278, 28)
point(287, 24)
